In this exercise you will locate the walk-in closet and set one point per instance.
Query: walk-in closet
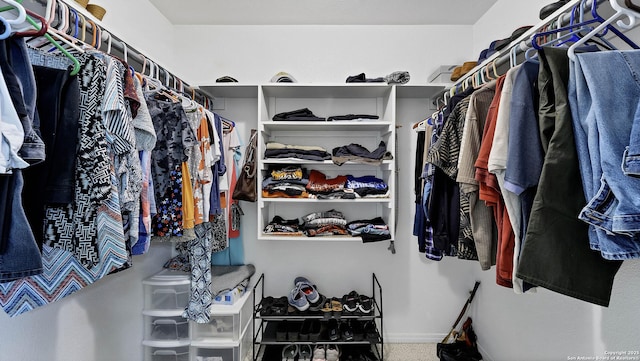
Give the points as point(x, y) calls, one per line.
point(296, 181)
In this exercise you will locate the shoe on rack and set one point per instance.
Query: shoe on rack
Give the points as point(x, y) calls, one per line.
point(305, 352)
point(305, 330)
point(281, 331)
point(358, 329)
point(345, 331)
point(315, 330)
point(370, 331)
point(365, 305)
point(350, 302)
point(309, 289)
point(319, 353)
point(336, 307)
point(550, 8)
point(333, 353)
point(298, 300)
point(290, 352)
point(333, 330)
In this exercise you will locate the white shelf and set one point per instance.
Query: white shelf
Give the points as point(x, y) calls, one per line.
point(230, 90)
point(314, 200)
point(316, 162)
point(266, 237)
point(345, 90)
point(338, 126)
point(221, 310)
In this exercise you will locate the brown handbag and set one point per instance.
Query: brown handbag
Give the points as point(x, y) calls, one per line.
point(246, 186)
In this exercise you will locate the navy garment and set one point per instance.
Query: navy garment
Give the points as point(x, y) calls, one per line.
point(52, 182)
point(525, 156)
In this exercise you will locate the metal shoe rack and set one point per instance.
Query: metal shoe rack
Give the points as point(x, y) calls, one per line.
point(264, 326)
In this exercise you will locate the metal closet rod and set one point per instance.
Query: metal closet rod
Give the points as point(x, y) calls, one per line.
point(132, 53)
point(502, 57)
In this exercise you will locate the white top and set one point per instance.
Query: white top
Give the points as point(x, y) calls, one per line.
point(11, 132)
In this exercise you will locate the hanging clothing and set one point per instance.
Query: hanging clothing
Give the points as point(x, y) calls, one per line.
point(480, 216)
point(568, 266)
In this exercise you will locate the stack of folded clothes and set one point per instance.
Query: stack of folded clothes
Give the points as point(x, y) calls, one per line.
point(359, 154)
point(279, 150)
point(327, 223)
point(321, 187)
point(283, 227)
point(371, 230)
point(367, 186)
point(287, 182)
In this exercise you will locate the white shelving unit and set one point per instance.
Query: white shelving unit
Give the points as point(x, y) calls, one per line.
point(325, 101)
point(393, 104)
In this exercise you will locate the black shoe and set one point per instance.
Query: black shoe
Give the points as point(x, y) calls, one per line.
point(345, 331)
point(370, 331)
point(358, 330)
point(314, 330)
point(305, 330)
point(333, 330)
point(549, 9)
point(293, 329)
point(281, 331)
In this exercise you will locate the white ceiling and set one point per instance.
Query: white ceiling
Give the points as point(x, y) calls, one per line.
point(323, 12)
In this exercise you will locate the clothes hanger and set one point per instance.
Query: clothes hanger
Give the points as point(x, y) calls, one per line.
point(631, 5)
point(620, 11)
point(7, 28)
point(22, 13)
point(48, 36)
point(43, 26)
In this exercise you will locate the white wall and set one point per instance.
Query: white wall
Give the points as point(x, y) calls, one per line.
point(318, 54)
point(546, 325)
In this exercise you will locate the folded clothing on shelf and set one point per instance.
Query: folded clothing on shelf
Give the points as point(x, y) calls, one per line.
point(367, 186)
point(283, 227)
point(319, 183)
point(353, 117)
point(303, 114)
point(371, 230)
point(357, 153)
point(326, 223)
point(279, 150)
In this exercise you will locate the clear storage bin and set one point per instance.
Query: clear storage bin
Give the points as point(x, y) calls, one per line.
point(222, 350)
point(227, 321)
point(166, 293)
point(167, 327)
point(176, 351)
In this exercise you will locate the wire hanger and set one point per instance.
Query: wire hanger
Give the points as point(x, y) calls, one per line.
point(631, 15)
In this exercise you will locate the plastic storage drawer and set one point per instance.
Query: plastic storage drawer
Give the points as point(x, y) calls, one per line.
point(168, 292)
point(227, 321)
point(165, 326)
point(166, 351)
point(222, 350)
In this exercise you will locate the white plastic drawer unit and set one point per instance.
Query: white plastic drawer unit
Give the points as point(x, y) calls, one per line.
point(227, 321)
point(167, 291)
point(220, 350)
point(165, 351)
point(165, 326)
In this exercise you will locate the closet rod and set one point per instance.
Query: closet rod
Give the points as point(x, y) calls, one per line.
point(522, 44)
point(164, 76)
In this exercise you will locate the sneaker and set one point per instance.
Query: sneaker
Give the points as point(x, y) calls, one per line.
point(298, 300)
point(308, 288)
point(350, 301)
point(333, 353)
point(290, 352)
point(319, 353)
point(305, 352)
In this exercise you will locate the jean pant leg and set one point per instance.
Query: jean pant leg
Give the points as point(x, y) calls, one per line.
point(616, 96)
point(585, 135)
point(631, 157)
point(21, 256)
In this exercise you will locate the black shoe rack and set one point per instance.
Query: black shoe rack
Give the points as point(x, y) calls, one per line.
point(272, 331)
